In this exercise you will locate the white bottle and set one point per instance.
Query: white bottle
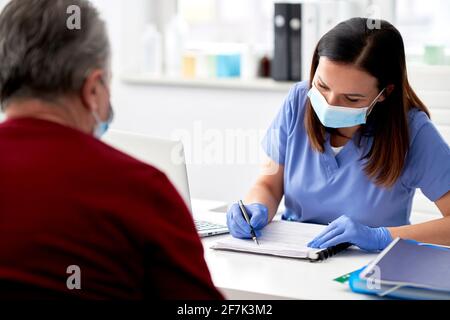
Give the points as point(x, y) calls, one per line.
point(174, 36)
point(151, 51)
point(249, 62)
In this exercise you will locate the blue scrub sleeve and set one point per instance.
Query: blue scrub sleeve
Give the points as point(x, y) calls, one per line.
point(428, 163)
point(275, 139)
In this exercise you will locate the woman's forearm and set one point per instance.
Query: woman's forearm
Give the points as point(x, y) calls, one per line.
point(268, 189)
point(435, 231)
point(261, 193)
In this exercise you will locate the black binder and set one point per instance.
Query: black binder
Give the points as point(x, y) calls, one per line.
point(280, 64)
point(331, 251)
point(295, 42)
point(286, 65)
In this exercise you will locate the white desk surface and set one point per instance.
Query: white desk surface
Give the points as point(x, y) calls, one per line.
point(252, 276)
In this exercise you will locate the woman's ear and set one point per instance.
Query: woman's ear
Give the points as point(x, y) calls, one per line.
point(386, 93)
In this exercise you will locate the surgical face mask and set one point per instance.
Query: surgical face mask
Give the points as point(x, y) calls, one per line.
point(335, 116)
point(102, 126)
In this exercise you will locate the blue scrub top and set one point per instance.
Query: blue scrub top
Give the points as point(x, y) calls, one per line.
point(320, 187)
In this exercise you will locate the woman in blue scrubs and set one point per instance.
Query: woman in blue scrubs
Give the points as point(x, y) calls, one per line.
point(349, 147)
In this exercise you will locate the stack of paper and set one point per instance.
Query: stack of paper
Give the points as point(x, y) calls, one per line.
point(279, 238)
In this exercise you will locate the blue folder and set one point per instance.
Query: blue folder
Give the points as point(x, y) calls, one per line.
point(406, 269)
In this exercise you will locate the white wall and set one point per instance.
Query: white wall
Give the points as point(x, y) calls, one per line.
point(163, 110)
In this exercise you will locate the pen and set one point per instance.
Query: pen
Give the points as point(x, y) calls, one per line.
point(244, 213)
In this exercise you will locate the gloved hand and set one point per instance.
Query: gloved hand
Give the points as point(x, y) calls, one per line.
point(238, 226)
point(344, 229)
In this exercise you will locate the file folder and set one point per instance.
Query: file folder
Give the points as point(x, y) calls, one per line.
point(406, 269)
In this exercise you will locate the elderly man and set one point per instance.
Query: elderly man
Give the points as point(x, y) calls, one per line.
point(77, 217)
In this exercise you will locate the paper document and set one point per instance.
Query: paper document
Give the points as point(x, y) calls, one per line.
point(279, 238)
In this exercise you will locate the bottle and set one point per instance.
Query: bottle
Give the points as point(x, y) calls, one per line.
point(174, 37)
point(189, 61)
point(249, 62)
point(264, 67)
point(151, 51)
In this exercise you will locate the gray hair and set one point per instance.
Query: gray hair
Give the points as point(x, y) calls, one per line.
point(40, 56)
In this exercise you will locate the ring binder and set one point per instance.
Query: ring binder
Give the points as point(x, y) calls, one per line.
point(331, 251)
point(283, 239)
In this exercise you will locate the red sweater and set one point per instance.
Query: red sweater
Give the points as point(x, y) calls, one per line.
point(68, 199)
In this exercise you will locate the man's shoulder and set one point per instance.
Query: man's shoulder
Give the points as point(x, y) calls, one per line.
point(124, 164)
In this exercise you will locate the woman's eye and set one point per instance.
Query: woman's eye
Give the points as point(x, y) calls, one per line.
point(322, 86)
point(352, 100)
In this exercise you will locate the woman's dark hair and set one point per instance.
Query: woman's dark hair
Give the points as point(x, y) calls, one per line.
point(376, 47)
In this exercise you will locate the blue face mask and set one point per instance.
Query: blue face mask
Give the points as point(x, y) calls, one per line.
point(102, 126)
point(335, 116)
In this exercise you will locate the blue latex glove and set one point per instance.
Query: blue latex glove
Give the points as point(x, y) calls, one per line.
point(239, 228)
point(344, 229)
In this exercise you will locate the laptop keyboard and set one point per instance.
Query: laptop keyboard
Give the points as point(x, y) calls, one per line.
point(205, 225)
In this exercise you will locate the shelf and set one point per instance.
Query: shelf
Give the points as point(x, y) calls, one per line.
point(227, 84)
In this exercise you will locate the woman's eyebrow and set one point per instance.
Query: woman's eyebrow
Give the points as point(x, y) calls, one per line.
point(345, 94)
point(354, 95)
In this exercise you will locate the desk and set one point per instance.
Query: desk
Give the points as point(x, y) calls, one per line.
point(252, 276)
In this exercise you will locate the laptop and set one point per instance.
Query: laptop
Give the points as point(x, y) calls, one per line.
point(167, 156)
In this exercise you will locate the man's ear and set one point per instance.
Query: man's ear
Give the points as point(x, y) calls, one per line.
point(90, 91)
point(386, 93)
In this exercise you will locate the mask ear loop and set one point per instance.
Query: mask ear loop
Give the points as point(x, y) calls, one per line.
point(372, 105)
point(111, 110)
